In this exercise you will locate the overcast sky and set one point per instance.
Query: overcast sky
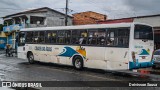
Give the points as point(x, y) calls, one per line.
point(112, 8)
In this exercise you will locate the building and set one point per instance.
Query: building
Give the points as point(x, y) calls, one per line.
point(153, 20)
point(2, 40)
point(41, 17)
point(110, 21)
point(88, 17)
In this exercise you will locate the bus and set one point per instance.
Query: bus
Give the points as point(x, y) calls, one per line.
point(118, 46)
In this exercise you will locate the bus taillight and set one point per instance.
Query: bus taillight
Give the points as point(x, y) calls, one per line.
point(133, 57)
point(152, 55)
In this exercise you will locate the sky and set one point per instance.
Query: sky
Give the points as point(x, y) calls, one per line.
point(112, 8)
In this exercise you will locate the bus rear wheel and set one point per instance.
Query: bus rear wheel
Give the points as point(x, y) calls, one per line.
point(78, 62)
point(30, 58)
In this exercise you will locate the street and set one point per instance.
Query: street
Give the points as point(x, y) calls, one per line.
point(14, 69)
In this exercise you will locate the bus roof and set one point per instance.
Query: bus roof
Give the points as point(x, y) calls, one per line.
point(81, 27)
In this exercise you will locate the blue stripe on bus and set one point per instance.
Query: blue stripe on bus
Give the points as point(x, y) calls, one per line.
point(68, 52)
point(133, 65)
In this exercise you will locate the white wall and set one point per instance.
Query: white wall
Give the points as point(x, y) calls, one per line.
point(154, 21)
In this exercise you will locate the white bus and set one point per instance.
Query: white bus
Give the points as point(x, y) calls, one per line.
point(105, 46)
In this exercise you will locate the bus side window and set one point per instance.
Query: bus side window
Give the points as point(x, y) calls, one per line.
point(51, 36)
point(92, 37)
point(123, 35)
point(101, 37)
point(61, 37)
point(74, 39)
point(67, 37)
point(41, 37)
point(79, 37)
point(47, 36)
point(110, 39)
point(29, 37)
point(83, 37)
point(118, 37)
point(35, 38)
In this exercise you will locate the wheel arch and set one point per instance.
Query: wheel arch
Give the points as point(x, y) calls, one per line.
point(77, 55)
point(29, 53)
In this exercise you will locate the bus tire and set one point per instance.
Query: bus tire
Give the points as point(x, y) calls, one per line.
point(31, 58)
point(78, 62)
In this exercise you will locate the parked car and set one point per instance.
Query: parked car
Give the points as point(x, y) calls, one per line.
point(156, 57)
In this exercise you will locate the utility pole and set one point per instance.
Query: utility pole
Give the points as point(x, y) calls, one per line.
point(66, 15)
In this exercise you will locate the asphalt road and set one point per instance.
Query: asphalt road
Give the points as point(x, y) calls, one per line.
point(14, 69)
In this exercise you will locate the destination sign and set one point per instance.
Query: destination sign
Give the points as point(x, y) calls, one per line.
point(40, 48)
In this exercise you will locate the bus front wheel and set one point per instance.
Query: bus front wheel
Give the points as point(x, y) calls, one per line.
point(30, 58)
point(78, 62)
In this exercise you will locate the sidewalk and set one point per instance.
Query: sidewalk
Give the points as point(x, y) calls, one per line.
point(2, 51)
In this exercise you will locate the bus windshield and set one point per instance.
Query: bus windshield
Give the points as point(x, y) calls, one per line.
point(143, 32)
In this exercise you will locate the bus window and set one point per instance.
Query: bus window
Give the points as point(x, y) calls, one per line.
point(41, 37)
point(118, 37)
point(123, 37)
point(143, 32)
point(101, 35)
point(61, 37)
point(29, 37)
point(92, 37)
point(51, 36)
point(96, 37)
point(35, 38)
point(79, 37)
point(21, 39)
point(67, 37)
point(110, 37)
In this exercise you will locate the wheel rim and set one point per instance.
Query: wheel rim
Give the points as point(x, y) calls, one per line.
point(77, 63)
point(31, 58)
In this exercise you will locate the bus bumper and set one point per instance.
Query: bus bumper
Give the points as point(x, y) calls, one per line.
point(133, 65)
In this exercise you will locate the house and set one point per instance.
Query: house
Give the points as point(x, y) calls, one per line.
point(41, 17)
point(88, 17)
